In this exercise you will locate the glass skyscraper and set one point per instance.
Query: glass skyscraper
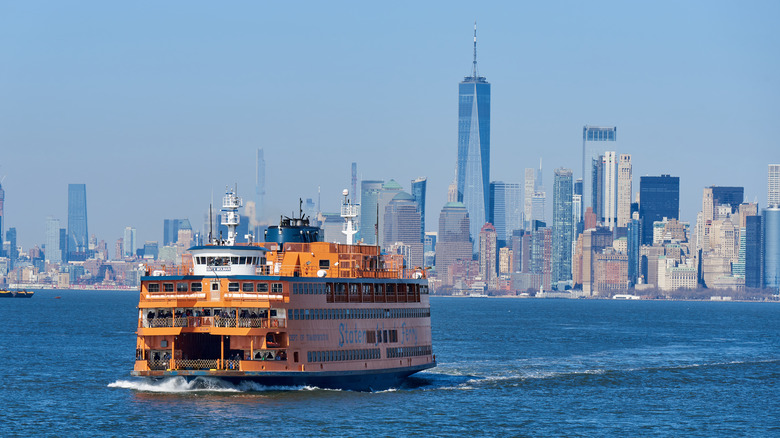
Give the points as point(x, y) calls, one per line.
point(771, 240)
point(753, 251)
point(659, 197)
point(505, 209)
point(78, 236)
point(418, 192)
point(369, 201)
point(171, 229)
point(563, 227)
point(473, 167)
point(2, 200)
point(53, 253)
point(595, 141)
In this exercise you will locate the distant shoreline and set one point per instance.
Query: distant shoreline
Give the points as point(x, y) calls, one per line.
point(608, 298)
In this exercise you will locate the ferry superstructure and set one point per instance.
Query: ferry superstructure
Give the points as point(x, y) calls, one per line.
point(290, 311)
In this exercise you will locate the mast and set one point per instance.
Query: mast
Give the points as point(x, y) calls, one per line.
point(349, 212)
point(230, 216)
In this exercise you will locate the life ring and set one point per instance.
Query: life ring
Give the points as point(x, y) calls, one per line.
point(274, 323)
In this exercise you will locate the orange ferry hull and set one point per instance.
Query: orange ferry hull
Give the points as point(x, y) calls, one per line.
point(360, 380)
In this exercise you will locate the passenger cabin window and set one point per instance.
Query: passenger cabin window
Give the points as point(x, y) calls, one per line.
point(262, 287)
point(232, 287)
point(218, 261)
point(167, 287)
point(196, 287)
point(248, 287)
point(276, 288)
point(181, 287)
point(153, 287)
point(215, 286)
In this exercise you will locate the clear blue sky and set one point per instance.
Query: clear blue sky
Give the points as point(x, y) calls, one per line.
point(154, 105)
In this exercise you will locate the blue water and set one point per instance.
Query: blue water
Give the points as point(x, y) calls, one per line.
point(507, 367)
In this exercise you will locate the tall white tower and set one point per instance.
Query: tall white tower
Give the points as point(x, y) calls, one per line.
point(773, 186)
point(624, 190)
point(349, 212)
point(610, 189)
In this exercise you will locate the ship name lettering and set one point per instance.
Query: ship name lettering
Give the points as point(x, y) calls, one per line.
point(407, 334)
point(347, 336)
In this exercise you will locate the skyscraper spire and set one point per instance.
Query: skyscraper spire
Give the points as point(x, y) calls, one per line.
point(474, 70)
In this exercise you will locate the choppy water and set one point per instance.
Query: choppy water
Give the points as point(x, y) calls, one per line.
point(506, 368)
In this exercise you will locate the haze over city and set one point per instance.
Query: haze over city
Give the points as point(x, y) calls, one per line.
point(157, 106)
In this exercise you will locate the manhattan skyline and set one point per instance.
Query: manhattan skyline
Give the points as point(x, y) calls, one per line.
point(156, 107)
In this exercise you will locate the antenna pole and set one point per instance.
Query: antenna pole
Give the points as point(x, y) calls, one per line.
point(474, 72)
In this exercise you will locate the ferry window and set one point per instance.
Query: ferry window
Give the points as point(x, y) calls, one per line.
point(276, 288)
point(308, 356)
point(367, 289)
point(248, 287)
point(242, 260)
point(273, 313)
point(262, 287)
point(340, 288)
point(353, 289)
point(215, 286)
point(327, 289)
point(324, 264)
point(153, 287)
point(295, 289)
point(196, 287)
point(232, 287)
point(181, 287)
point(380, 289)
point(234, 260)
point(167, 287)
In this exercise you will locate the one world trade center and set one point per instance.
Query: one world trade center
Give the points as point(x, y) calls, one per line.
point(473, 171)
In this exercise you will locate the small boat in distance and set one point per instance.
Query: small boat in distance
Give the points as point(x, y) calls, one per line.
point(4, 293)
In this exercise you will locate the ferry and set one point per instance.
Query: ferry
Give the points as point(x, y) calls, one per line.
point(290, 311)
point(4, 293)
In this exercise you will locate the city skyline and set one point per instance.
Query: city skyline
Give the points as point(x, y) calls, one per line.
point(132, 115)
